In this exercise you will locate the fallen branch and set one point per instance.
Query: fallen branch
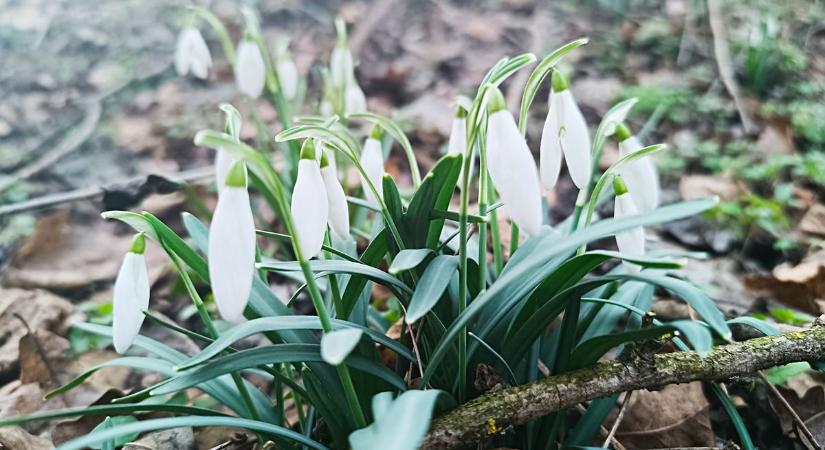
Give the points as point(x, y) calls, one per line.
point(499, 411)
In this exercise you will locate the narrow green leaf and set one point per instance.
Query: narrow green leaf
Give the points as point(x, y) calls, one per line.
point(429, 289)
point(401, 424)
point(408, 259)
point(338, 344)
point(338, 266)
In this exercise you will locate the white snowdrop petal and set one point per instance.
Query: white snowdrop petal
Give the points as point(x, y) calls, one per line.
point(372, 160)
point(232, 252)
point(310, 208)
point(513, 171)
point(341, 66)
point(458, 137)
point(355, 101)
point(250, 72)
point(223, 162)
point(337, 201)
point(631, 242)
point(575, 140)
point(192, 54)
point(550, 147)
point(641, 176)
point(288, 77)
point(131, 297)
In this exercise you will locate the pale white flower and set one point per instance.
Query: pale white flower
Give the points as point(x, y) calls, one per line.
point(458, 136)
point(354, 99)
point(232, 247)
point(565, 132)
point(640, 175)
point(336, 199)
point(341, 66)
point(288, 76)
point(512, 167)
point(223, 162)
point(131, 296)
point(310, 207)
point(372, 160)
point(630, 242)
point(250, 71)
point(192, 54)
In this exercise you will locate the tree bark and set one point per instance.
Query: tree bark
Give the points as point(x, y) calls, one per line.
point(499, 411)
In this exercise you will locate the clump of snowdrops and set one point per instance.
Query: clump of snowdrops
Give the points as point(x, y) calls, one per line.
point(370, 373)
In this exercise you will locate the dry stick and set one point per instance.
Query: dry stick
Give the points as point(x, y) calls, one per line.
point(46, 201)
point(798, 420)
point(604, 432)
point(627, 398)
point(723, 61)
point(504, 409)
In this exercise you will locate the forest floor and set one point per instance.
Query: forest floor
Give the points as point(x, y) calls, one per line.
point(94, 118)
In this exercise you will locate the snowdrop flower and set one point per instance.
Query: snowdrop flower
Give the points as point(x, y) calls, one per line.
point(310, 209)
point(372, 160)
point(131, 296)
point(630, 242)
point(341, 66)
point(192, 54)
point(565, 132)
point(250, 72)
point(287, 73)
point(458, 133)
point(336, 199)
point(354, 99)
point(512, 167)
point(641, 175)
point(232, 246)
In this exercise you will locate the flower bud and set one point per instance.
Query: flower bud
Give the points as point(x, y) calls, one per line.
point(641, 175)
point(232, 246)
point(512, 167)
point(372, 160)
point(336, 199)
point(250, 71)
point(310, 206)
point(131, 296)
point(630, 242)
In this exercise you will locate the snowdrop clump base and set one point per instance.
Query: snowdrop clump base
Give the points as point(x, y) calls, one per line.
point(370, 373)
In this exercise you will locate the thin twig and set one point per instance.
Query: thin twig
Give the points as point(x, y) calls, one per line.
point(800, 424)
point(622, 410)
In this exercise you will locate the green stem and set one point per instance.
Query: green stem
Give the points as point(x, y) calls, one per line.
point(498, 257)
point(513, 238)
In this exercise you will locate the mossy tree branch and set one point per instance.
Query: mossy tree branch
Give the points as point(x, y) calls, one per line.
point(501, 410)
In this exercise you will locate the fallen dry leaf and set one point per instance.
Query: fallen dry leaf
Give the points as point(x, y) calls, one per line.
point(676, 416)
point(171, 439)
point(813, 222)
point(15, 438)
point(694, 187)
point(800, 286)
point(41, 311)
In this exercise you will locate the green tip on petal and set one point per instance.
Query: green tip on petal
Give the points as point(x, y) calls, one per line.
point(308, 150)
point(460, 112)
point(236, 177)
point(324, 159)
point(376, 133)
point(496, 102)
point(623, 133)
point(138, 244)
point(559, 82)
point(619, 187)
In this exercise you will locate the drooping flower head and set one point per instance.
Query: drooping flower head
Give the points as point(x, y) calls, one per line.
point(372, 160)
point(630, 242)
point(250, 71)
point(310, 206)
point(457, 144)
point(512, 167)
point(336, 199)
point(131, 296)
point(232, 246)
point(640, 175)
point(287, 71)
point(565, 133)
point(192, 54)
